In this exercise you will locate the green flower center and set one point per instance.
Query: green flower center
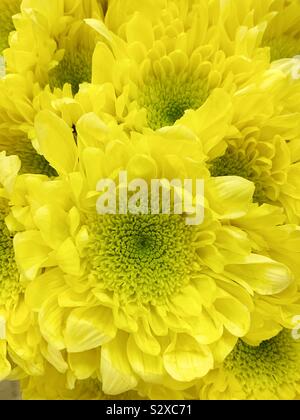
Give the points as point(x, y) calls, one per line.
point(269, 366)
point(166, 100)
point(9, 277)
point(142, 257)
point(75, 68)
point(32, 162)
point(284, 46)
point(8, 8)
point(230, 164)
point(234, 164)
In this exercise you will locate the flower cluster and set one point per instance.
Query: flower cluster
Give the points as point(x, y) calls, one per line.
point(131, 306)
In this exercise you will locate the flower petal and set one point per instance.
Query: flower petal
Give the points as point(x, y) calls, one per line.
point(84, 364)
point(264, 275)
point(88, 328)
point(116, 372)
point(56, 142)
point(229, 196)
point(186, 360)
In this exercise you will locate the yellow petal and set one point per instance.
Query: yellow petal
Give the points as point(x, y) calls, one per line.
point(116, 372)
point(148, 367)
point(223, 347)
point(207, 328)
point(51, 221)
point(103, 64)
point(210, 122)
point(88, 328)
point(31, 252)
point(71, 299)
point(46, 285)
point(229, 196)
point(19, 318)
point(56, 142)
point(54, 357)
point(68, 258)
point(186, 360)
point(264, 275)
point(140, 29)
point(84, 364)
point(4, 364)
point(234, 315)
point(9, 168)
point(51, 318)
point(145, 340)
point(100, 27)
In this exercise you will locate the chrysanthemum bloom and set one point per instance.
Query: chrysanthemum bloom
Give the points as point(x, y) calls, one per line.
point(48, 51)
point(269, 371)
point(16, 120)
point(8, 8)
point(161, 64)
point(164, 301)
point(54, 385)
point(53, 41)
point(51, 45)
point(282, 35)
point(254, 25)
point(263, 143)
point(265, 227)
point(18, 334)
point(243, 24)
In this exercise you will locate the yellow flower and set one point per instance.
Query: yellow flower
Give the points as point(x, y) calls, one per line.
point(254, 25)
point(164, 60)
point(270, 371)
point(16, 120)
point(263, 142)
point(162, 313)
point(53, 41)
point(282, 35)
point(264, 226)
point(8, 8)
point(18, 334)
point(51, 45)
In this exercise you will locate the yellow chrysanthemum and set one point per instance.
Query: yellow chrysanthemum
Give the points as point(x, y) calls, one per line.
point(162, 62)
point(51, 45)
point(263, 143)
point(199, 66)
point(270, 371)
point(18, 334)
point(162, 313)
point(57, 386)
point(264, 226)
point(243, 23)
point(254, 25)
point(53, 41)
point(8, 8)
point(282, 35)
point(16, 121)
